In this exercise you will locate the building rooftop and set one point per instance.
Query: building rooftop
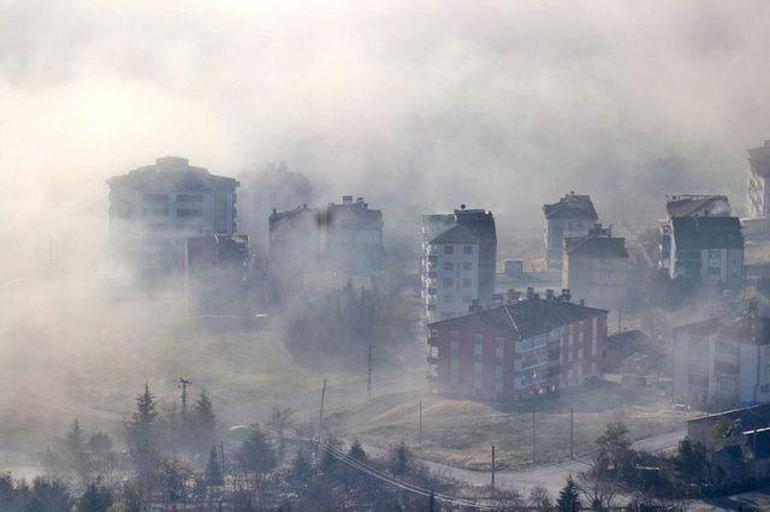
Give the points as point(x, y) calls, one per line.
point(597, 246)
point(737, 328)
point(692, 205)
point(279, 216)
point(707, 233)
point(571, 206)
point(529, 317)
point(363, 215)
point(457, 234)
point(750, 418)
point(172, 174)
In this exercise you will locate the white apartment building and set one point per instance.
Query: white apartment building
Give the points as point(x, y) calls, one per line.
point(450, 273)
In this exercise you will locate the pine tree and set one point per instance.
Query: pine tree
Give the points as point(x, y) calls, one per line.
point(569, 498)
point(301, 468)
point(213, 469)
point(141, 435)
point(76, 453)
point(357, 452)
point(97, 498)
point(255, 454)
point(203, 423)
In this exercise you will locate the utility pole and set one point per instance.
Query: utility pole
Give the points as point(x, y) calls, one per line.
point(183, 383)
point(369, 376)
point(533, 437)
point(571, 433)
point(493, 470)
point(321, 410)
point(432, 502)
point(419, 435)
point(620, 319)
point(222, 458)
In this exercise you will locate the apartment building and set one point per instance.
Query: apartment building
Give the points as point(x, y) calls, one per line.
point(272, 188)
point(572, 216)
point(723, 361)
point(155, 208)
point(596, 268)
point(525, 347)
point(459, 258)
point(687, 205)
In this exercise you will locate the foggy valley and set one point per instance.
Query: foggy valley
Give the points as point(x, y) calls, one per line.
point(436, 255)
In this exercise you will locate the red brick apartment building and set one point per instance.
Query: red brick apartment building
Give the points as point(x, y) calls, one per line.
point(518, 349)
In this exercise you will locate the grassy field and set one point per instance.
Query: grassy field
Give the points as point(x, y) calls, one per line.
point(460, 433)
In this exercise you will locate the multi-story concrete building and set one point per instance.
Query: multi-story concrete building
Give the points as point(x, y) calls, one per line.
point(351, 239)
point(519, 349)
point(155, 208)
point(273, 188)
point(758, 199)
point(451, 279)
point(596, 268)
point(216, 276)
point(723, 361)
point(707, 251)
point(343, 238)
point(572, 216)
point(458, 262)
point(687, 205)
point(295, 245)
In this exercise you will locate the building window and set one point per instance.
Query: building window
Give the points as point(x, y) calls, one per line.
point(155, 198)
point(447, 281)
point(189, 212)
point(449, 249)
point(467, 282)
point(764, 388)
point(466, 299)
point(189, 198)
point(467, 265)
point(447, 265)
point(468, 249)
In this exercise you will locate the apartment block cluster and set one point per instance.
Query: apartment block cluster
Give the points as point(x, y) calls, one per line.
point(495, 344)
point(172, 219)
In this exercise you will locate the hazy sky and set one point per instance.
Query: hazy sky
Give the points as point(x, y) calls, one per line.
point(498, 104)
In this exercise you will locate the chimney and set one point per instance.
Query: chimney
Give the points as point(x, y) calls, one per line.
point(512, 296)
point(530, 293)
point(565, 295)
point(582, 302)
point(347, 199)
point(360, 199)
point(549, 294)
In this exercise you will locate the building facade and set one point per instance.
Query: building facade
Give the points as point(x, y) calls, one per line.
point(295, 245)
point(273, 188)
point(458, 263)
point(723, 361)
point(517, 350)
point(216, 275)
point(572, 216)
point(687, 205)
point(758, 199)
point(343, 238)
point(351, 239)
point(596, 268)
point(155, 208)
point(707, 251)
